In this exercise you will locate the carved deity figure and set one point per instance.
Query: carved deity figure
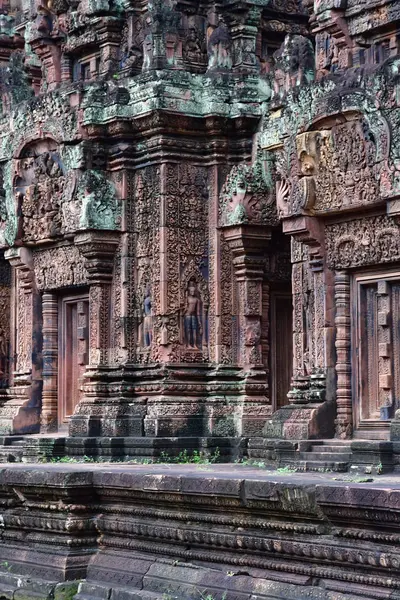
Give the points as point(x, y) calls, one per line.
point(192, 316)
point(147, 319)
point(220, 49)
point(133, 58)
point(193, 47)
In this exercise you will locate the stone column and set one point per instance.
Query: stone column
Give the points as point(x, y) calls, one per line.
point(248, 245)
point(98, 249)
point(309, 310)
point(344, 421)
point(49, 416)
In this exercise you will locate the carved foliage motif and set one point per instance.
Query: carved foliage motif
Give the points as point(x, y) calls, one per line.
point(362, 242)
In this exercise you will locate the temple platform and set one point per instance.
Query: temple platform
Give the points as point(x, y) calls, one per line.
point(329, 455)
point(177, 532)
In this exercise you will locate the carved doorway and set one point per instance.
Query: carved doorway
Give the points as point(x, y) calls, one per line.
point(375, 352)
point(281, 345)
point(73, 353)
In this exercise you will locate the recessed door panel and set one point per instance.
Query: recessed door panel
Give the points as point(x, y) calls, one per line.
point(73, 353)
point(281, 348)
point(376, 351)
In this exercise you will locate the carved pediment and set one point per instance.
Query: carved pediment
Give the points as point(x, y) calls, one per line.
point(52, 201)
point(247, 198)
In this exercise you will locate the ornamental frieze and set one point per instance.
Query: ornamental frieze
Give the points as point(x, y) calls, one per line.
point(362, 242)
point(48, 277)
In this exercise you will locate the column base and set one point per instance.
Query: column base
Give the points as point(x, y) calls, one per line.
point(172, 401)
point(302, 422)
point(20, 414)
point(137, 449)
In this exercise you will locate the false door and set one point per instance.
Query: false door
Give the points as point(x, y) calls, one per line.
point(281, 346)
point(376, 353)
point(73, 353)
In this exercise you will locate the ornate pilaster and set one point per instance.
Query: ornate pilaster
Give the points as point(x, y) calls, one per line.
point(308, 277)
point(344, 421)
point(244, 31)
point(21, 414)
point(49, 416)
point(247, 245)
point(308, 415)
point(98, 248)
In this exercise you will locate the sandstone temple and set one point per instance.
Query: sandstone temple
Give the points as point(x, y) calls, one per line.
point(199, 223)
point(199, 256)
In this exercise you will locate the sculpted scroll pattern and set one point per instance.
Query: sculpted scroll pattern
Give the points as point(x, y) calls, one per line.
point(24, 321)
point(362, 242)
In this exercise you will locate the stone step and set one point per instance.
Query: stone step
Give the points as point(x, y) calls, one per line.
point(336, 443)
point(90, 591)
point(323, 458)
point(11, 455)
point(315, 465)
point(331, 449)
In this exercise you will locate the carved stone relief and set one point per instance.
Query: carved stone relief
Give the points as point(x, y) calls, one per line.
point(362, 242)
point(39, 186)
point(347, 174)
point(246, 196)
point(49, 277)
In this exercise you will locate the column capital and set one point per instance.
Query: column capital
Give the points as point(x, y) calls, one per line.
point(248, 244)
point(98, 248)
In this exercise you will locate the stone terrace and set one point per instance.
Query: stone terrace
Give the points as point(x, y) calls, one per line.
point(161, 532)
